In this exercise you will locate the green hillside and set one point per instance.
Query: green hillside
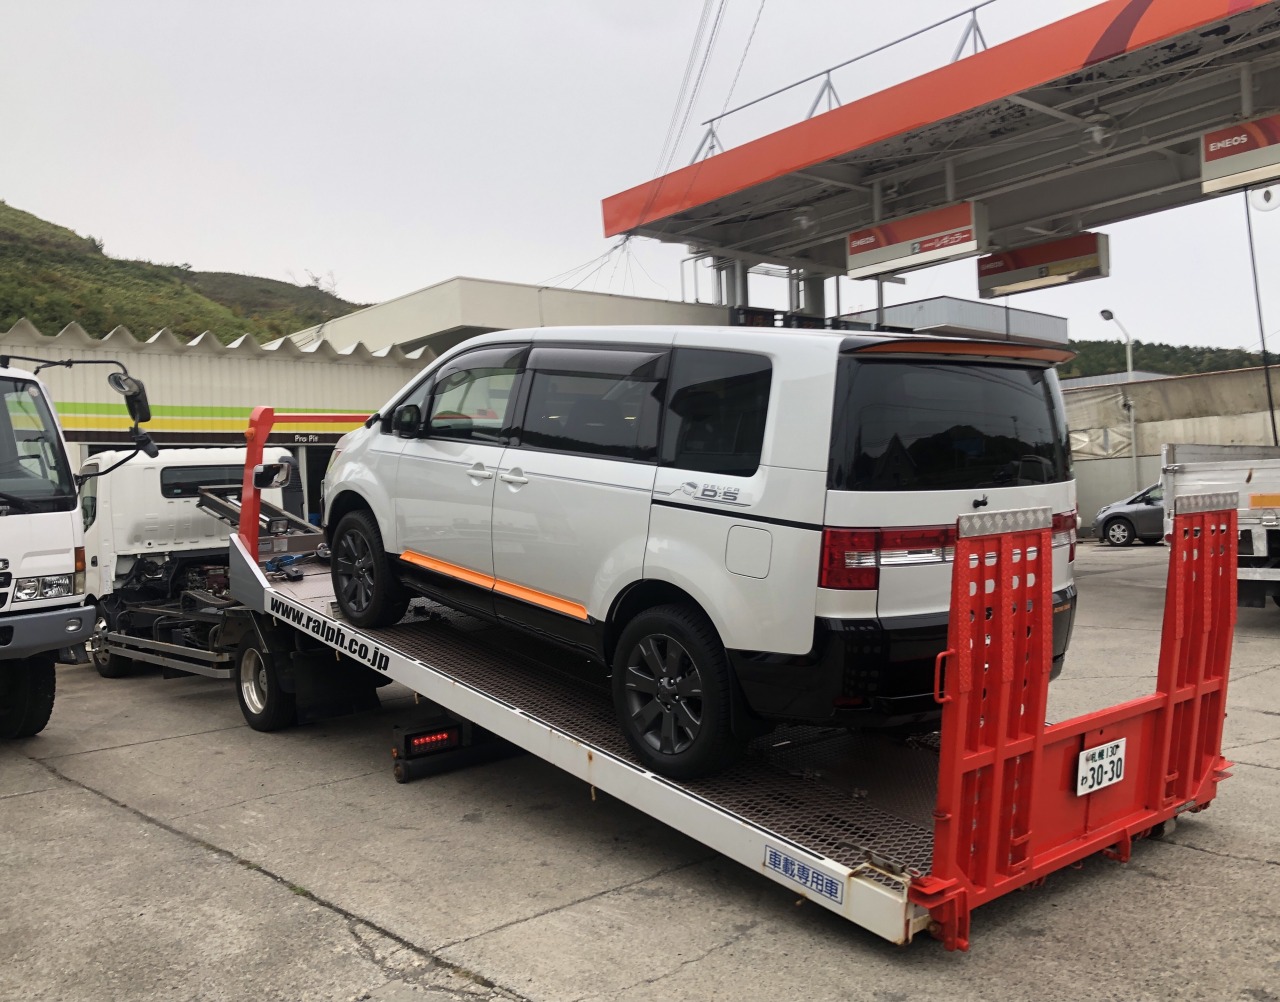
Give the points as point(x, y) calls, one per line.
point(1097, 358)
point(52, 276)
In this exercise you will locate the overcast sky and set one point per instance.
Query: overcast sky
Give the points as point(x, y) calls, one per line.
point(396, 143)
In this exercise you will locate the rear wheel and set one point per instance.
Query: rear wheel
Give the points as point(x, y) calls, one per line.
point(368, 591)
point(109, 665)
point(26, 696)
point(1119, 532)
point(672, 689)
point(263, 701)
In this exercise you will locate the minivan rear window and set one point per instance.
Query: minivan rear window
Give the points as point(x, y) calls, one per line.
point(935, 426)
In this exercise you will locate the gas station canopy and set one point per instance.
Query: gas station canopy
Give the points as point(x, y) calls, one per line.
point(1127, 108)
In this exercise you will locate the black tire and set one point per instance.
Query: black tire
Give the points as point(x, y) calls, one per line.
point(108, 665)
point(368, 591)
point(263, 701)
point(672, 690)
point(1119, 532)
point(27, 689)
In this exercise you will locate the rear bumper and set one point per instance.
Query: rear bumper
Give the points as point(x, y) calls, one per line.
point(26, 634)
point(866, 672)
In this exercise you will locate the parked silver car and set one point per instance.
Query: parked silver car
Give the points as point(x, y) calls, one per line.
point(1140, 516)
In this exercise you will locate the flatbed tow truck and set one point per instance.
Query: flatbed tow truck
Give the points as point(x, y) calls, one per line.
point(897, 836)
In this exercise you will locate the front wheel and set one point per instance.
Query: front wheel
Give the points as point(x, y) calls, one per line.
point(672, 689)
point(263, 701)
point(368, 591)
point(27, 689)
point(109, 665)
point(1119, 532)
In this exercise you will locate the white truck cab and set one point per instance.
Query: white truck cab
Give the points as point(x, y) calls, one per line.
point(146, 541)
point(42, 560)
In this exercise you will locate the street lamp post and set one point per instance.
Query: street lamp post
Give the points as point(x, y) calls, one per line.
point(1128, 399)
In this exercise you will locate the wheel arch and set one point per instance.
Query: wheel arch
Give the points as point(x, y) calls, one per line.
point(347, 501)
point(635, 599)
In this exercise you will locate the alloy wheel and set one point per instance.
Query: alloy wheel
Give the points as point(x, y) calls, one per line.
point(663, 694)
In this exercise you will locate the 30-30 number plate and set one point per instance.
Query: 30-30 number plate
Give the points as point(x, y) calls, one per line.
point(1099, 767)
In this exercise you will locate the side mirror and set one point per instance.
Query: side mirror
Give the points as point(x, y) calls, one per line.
point(266, 475)
point(407, 421)
point(450, 423)
point(135, 396)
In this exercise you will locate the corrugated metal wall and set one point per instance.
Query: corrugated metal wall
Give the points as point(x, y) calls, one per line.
point(203, 391)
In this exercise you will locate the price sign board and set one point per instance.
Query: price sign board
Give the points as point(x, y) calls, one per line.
point(953, 231)
point(1039, 266)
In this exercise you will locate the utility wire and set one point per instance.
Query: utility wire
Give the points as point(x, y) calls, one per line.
point(745, 49)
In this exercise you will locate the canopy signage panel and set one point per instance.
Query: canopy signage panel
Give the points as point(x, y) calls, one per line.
point(1239, 155)
point(953, 231)
point(1056, 262)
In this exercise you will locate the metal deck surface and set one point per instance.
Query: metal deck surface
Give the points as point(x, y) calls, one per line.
point(849, 797)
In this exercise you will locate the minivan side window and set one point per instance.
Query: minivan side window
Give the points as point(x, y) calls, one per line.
point(471, 397)
point(716, 410)
point(595, 402)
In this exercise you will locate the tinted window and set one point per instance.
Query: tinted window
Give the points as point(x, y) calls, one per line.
point(716, 411)
point(186, 481)
point(945, 426)
point(471, 397)
point(594, 402)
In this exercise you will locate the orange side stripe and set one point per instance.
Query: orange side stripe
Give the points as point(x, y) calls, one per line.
point(443, 567)
point(530, 595)
point(560, 605)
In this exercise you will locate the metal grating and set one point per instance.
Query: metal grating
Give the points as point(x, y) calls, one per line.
point(850, 797)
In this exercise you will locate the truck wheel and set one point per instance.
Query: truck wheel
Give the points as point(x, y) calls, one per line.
point(368, 591)
point(263, 701)
point(1119, 532)
point(109, 665)
point(26, 696)
point(671, 690)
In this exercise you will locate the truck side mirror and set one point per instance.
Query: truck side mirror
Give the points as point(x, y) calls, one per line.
point(135, 396)
point(266, 475)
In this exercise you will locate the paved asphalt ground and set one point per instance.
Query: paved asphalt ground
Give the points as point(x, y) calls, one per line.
point(153, 847)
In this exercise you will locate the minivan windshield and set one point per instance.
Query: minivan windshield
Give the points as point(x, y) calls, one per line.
point(939, 425)
point(34, 472)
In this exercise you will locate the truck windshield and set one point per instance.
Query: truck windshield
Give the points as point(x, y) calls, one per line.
point(34, 472)
point(936, 426)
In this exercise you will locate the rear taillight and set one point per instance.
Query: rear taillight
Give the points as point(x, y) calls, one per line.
point(1064, 532)
point(849, 560)
point(852, 558)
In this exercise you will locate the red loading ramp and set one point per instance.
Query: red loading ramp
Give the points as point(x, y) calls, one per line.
point(1008, 809)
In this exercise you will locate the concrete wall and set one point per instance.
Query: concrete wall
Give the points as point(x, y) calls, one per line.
point(1216, 408)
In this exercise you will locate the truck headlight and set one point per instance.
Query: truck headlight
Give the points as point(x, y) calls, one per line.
point(56, 586)
point(49, 586)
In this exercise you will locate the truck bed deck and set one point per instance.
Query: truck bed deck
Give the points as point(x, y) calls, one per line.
point(851, 797)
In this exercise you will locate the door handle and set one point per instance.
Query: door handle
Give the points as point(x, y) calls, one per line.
point(513, 477)
point(479, 472)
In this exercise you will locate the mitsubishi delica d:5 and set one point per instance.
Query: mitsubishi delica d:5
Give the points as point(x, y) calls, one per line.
point(742, 526)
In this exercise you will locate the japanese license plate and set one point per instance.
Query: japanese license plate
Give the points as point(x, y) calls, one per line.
point(1099, 767)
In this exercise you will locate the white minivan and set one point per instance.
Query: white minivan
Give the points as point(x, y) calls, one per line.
point(743, 525)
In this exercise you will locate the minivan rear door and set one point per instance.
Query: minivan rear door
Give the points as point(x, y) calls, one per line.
point(922, 438)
